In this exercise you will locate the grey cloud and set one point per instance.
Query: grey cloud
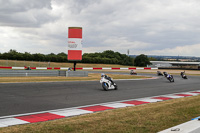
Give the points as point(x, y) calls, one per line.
point(13, 6)
point(163, 21)
point(25, 13)
point(136, 24)
point(76, 6)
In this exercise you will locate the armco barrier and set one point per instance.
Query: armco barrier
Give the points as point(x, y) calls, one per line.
point(76, 74)
point(42, 73)
point(28, 73)
point(80, 68)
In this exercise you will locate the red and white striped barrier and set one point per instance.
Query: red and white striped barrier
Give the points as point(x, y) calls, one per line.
point(68, 112)
point(80, 68)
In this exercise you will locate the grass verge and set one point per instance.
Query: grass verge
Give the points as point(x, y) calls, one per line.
point(15, 63)
point(91, 76)
point(147, 118)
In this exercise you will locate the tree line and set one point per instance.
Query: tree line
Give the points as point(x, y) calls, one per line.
point(14, 55)
point(105, 57)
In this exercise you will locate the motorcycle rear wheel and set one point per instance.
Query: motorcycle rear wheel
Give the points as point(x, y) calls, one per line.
point(116, 88)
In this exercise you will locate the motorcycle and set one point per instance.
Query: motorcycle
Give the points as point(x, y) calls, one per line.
point(170, 78)
point(133, 72)
point(108, 84)
point(28, 68)
point(183, 75)
point(159, 73)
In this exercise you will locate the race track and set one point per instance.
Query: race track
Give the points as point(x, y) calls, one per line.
point(18, 98)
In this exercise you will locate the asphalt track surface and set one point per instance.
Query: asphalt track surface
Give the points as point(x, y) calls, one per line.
point(19, 98)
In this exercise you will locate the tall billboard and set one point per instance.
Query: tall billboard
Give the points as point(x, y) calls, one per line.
point(75, 43)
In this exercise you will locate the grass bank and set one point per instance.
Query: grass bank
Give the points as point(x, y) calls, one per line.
point(16, 63)
point(147, 118)
point(91, 76)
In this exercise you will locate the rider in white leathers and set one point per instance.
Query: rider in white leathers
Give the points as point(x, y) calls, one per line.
point(107, 82)
point(107, 77)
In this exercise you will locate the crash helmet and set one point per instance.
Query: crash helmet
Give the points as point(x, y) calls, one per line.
point(102, 75)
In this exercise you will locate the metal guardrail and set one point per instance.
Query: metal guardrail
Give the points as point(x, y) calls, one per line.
point(76, 74)
point(42, 73)
point(27, 73)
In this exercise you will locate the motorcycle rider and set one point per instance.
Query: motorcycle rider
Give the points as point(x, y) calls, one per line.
point(133, 72)
point(182, 73)
point(28, 68)
point(107, 77)
point(165, 74)
point(159, 73)
point(168, 75)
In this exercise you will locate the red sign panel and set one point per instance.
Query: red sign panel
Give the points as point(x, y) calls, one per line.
point(75, 32)
point(75, 43)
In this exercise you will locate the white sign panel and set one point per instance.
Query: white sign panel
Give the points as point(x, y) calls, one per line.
point(74, 44)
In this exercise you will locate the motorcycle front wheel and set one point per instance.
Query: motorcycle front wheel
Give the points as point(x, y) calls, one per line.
point(105, 86)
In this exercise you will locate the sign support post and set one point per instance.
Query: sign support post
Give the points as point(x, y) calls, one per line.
point(75, 66)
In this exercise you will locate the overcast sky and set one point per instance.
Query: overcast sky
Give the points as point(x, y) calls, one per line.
point(156, 27)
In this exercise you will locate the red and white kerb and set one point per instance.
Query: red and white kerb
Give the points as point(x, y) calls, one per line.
point(75, 43)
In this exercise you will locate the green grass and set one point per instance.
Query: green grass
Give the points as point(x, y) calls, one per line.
point(147, 118)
